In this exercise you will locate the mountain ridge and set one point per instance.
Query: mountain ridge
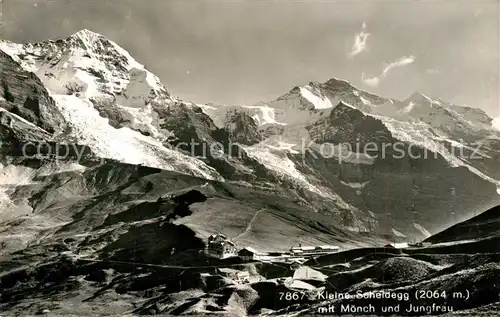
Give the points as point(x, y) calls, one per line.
point(102, 91)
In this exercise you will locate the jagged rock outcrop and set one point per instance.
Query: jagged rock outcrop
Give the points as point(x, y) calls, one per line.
point(242, 129)
point(24, 94)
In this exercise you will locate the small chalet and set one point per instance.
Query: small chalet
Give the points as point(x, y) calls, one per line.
point(314, 249)
point(302, 250)
point(220, 246)
point(248, 254)
point(327, 249)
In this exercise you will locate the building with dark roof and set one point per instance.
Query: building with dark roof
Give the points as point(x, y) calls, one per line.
point(220, 246)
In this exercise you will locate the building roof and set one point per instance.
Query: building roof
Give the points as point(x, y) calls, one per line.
point(220, 238)
point(304, 248)
point(247, 250)
point(397, 245)
point(217, 235)
point(328, 247)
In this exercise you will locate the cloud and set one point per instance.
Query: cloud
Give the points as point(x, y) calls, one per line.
point(405, 60)
point(496, 123)
point(359, 42)
point(375, 81)
point(433, 71)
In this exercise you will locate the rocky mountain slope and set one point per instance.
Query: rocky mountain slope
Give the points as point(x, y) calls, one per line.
point(368, 150)
point(483, 226)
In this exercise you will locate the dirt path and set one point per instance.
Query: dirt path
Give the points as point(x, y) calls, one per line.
point(250, 223)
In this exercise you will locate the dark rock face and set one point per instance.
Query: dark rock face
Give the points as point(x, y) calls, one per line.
point(192, 129)
point(14, 129)
point(196, 135)
point(401, 189)
point(191, 197)
point(107, 108)
point(403, 181)
point(485, 225)
point(271, 130)
point(349, 125)
point(242, 129)
point(146, 248)
point(294, 99)
point(26, 96)
point(337, 87)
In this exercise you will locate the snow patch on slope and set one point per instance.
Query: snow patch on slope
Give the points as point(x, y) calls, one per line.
point(398, 233)
point(496, 123)
point(21, 119)
point(315, 97)
point(418, 97)
point(276, 143)
point(12, 176)
point(365, 101)
point(355, 185)
point(60, 167)
point(15, 50)
point(124, 145)
point(16, 175)
point(424, 231)
point(278, 162)
point(142, 119)
point(420, 135)
point(262, 115)
point(409, 108)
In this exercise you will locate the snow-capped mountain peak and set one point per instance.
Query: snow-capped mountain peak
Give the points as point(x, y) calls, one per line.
point(86, 63)
point(420, 98)
point(424, 108)
point(97, 44)
point(338, 80)
point(434, 111)
point(316, 97)
point(88, 37)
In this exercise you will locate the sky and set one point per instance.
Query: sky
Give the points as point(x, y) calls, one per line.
point(244, 52)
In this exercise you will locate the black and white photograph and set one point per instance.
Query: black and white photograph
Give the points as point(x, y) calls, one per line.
point(249, 158)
